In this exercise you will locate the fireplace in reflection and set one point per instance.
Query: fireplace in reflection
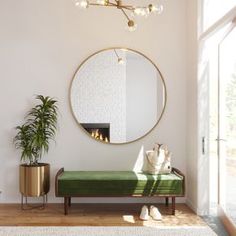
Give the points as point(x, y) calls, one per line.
point(100, 131)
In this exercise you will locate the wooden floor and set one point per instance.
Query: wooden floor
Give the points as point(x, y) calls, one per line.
point(94, 215)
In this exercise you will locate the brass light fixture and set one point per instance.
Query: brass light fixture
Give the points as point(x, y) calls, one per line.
point(120, 60)
point(144, 11)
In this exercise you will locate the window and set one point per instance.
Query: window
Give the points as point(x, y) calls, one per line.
point(213, 10)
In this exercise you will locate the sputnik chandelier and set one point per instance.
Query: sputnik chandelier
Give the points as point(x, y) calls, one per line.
point(144, 11)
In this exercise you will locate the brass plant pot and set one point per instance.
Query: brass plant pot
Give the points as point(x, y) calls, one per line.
point(34, 180)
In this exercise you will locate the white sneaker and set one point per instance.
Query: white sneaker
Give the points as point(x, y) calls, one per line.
point(155, 213)
point(144, 215)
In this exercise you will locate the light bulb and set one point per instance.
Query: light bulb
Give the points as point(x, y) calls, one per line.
point(141, 11)
point(132, 26)
point(155, 8)
point(102, 2)
point(121, 61)
point(82, 4)
point(137, 11)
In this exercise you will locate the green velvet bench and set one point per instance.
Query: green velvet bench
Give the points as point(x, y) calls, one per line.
point(70, 184)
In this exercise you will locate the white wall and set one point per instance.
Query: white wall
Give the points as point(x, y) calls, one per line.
point(42, 43)
point(192, 104)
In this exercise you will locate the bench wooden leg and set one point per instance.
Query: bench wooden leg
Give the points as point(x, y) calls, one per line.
point(66, 203)
point(167, 201)
point(69, 202)
point(173, 205)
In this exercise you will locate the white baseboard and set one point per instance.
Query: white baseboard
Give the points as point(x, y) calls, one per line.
point(202, 212)
point(191, 205)
point(198, 211)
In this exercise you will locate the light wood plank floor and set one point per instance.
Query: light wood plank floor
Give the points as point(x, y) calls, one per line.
point(94, 215)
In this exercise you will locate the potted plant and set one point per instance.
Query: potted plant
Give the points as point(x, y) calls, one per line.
point(33, 139)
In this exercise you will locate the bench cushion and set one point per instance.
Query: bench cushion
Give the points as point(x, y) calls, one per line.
point(118, 183)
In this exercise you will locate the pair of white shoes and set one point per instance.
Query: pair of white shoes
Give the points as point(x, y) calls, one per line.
point(154, 213)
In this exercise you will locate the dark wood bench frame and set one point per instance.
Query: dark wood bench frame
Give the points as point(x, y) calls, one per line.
point(67, 198)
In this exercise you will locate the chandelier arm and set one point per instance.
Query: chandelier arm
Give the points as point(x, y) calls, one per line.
point(100, 5)
point(126, 15)
point(127, 7)
point(110, 4)
point(116, 54)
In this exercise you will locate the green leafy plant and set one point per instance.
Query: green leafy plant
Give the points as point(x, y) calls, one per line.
point(34, 135)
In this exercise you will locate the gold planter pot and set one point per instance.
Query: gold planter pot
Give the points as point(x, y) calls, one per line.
point(34, 181)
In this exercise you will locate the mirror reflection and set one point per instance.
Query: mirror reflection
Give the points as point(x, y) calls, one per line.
point(118, 95)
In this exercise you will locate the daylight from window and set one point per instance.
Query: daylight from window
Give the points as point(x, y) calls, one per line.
point(228, 101)
point(213, 10)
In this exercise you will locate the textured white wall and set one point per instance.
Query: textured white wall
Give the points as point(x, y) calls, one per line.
point(98, 94)
point(42, 43)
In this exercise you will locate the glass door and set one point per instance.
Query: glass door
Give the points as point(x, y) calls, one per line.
point(227, 127)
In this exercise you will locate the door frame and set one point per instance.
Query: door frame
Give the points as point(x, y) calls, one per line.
point(228, 223)
point(203, 162)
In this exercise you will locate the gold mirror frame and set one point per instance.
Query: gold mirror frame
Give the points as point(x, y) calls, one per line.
point(127, 49)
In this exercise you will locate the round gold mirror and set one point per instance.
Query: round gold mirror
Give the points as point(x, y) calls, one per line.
point(118, 95)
